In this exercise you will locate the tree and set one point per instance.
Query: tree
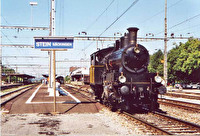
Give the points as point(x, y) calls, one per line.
point(67, 78)
point(156, 64)
point(6, 70)
point(184, 61)
point(172, 57)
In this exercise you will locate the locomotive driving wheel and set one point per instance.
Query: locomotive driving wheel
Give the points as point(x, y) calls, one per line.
point(108, 99)
point(154, 105)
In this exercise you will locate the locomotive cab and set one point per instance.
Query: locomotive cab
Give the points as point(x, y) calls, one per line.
point(96, 70)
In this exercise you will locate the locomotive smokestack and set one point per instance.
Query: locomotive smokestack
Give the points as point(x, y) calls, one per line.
point(126, 42)
point(117, 45)
point(121, 42)
point(132, 36)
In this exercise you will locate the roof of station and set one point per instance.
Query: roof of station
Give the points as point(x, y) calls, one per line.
point(21, 75)
point(80, 71)
point(46, 76)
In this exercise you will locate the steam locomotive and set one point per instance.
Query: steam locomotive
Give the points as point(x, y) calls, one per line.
point(119, 75)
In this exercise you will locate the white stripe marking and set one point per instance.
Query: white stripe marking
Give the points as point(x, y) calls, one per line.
point(33, 95)
point(77, 100)
point(63, 102)
point(43, 102)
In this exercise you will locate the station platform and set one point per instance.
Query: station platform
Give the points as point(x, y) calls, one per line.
point(37, 100)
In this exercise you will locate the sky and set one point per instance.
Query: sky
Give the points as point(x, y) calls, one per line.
point(93, 17)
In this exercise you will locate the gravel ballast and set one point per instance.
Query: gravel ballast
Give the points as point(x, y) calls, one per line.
point(190, 116)
point(103, 123)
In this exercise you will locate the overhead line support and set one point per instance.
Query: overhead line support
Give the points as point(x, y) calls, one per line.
point(93, 38)
point(165, 46)
point(24, 27)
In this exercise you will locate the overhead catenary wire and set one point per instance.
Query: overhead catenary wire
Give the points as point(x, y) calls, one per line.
point(5, 20)
point(6, 36)
point(198, 15)
point(161, 11)
point(184, 21)
point(99, 16)
point(133, 3)
point(186, 28)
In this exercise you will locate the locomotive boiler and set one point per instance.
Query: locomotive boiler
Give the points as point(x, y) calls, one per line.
point(119, 75)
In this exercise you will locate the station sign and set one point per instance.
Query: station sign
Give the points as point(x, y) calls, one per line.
point(54, 42)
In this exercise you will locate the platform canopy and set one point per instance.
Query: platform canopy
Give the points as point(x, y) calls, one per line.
point(46, 75)
point(24, 76)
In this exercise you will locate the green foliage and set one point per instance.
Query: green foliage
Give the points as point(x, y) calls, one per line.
point(67, 78)
point(155, 64)
point(172, 61)
point(184, 61)
point(6, 70)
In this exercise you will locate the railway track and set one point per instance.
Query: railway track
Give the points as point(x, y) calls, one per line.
point(4, 87)
point(83, 92)
point(184, 95)
point(193, 93)
point(13, 94)
point(161, 124)
point(180, 104)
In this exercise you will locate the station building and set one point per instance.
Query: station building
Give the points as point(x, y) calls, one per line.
point(79, 74)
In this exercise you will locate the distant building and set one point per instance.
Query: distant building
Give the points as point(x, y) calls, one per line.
point(78, 74)
point(71, 69)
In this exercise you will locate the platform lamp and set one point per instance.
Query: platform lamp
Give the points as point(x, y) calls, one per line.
point(32, 4)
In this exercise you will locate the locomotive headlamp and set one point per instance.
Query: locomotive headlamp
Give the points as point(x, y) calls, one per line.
point(122, 78)
point(163, 82)
point(158, 79)
point(137, 50)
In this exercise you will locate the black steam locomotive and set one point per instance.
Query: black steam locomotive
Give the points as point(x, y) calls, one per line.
point(119, 76)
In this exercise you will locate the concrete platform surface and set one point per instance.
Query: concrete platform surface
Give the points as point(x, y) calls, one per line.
point(37, 100)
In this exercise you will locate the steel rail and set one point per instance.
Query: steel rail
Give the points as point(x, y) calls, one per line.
point(3, 95)
point(157, 129)
point(4, 87)
point(191, 127)
point(190, 124)
point(80, 91)
point(179, 101)
point(170, 102)
point(195, 97)
point(6, 101)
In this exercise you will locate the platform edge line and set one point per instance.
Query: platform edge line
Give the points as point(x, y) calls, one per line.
point(77, 100)
point(33, 95)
